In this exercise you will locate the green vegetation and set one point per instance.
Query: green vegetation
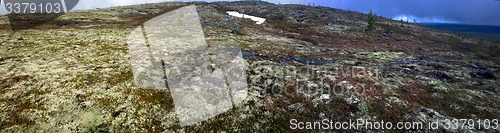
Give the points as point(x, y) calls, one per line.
point(371, 21)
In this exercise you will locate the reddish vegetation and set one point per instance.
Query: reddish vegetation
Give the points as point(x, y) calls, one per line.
point(446, 103)
point(418, 95)
point(363, 84)
point(365, 41)
point(389, 36)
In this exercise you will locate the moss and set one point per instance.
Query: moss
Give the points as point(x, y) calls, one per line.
point(7, 82)
point(18, 106)
point(394, 114)
point(393, 29)
point(154, 97)
point(106, 102)
point(274, 115)
point(113, 47)
point(419, 95)
point(16, 117)
point(6, 58)
point(119, 77)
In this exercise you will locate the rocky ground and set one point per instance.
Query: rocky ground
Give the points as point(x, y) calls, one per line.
point(307, 63)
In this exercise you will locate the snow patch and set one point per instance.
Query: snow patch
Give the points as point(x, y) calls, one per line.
point(258, 20)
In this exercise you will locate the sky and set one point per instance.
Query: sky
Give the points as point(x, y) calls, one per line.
point(476, 12)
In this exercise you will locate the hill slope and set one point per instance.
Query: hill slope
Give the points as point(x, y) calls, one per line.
point(306, 63)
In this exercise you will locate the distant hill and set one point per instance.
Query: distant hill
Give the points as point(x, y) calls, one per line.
point(491, 33)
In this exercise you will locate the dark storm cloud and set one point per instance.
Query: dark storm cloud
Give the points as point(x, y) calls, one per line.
point(483, 12)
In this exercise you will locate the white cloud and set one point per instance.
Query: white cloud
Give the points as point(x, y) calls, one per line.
point(411, 18)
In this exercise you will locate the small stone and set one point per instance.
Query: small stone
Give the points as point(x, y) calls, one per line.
point(296, 107)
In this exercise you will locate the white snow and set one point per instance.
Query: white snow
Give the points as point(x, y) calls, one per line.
point(258, 20)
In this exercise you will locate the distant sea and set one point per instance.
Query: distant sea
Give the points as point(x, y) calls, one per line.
point(490, 33)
